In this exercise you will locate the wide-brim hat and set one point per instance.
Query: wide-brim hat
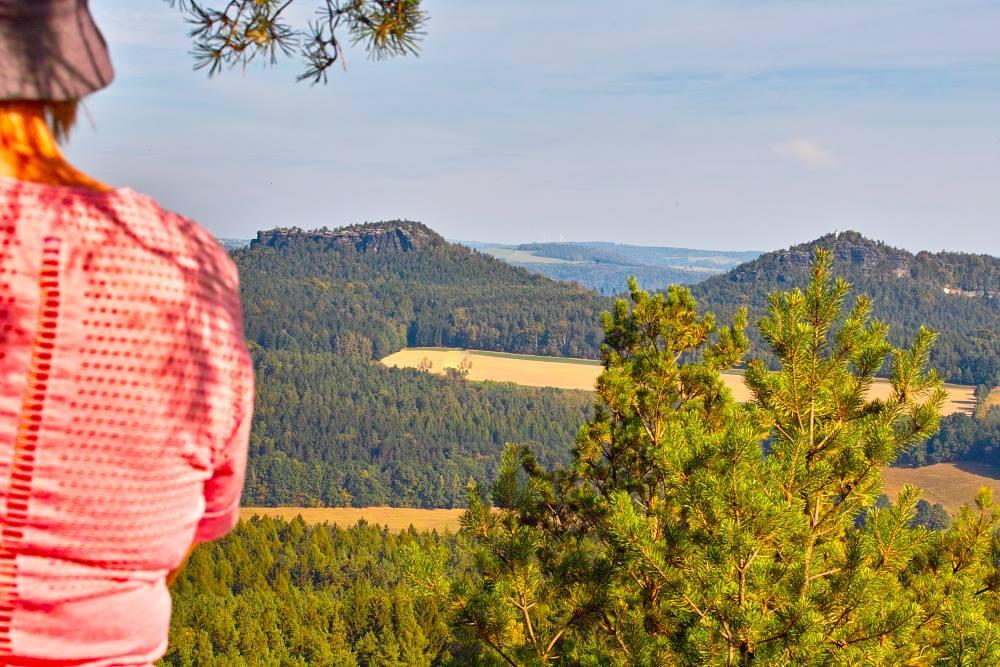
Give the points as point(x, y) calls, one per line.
point(50, 50)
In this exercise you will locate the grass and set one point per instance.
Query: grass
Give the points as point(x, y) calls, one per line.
point(574, 373)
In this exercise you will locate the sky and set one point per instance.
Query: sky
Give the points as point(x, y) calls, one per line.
point(721, 124)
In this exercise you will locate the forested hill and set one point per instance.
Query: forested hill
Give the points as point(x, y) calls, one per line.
point(369, 290)
point(332, 427)
point(956, 294)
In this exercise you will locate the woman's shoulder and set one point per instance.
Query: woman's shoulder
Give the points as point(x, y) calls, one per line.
point(123, 217)
point(165, 231)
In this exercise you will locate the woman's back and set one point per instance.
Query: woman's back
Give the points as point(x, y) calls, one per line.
point(125, 399)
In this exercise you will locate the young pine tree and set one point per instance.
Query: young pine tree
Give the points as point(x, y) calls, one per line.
point(692, 530)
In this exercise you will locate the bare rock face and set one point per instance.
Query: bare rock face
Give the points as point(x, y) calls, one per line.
point(375, 237)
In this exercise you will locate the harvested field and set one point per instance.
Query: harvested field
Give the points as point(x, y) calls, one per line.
point(394, 518)
point(994, 398)
point(569, 373)
point(951, 484)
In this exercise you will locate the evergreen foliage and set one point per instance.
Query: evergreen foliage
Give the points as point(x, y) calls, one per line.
point(334, 431)
point(275, 592)
point(956, 294)
point(691, 530)
point(308, 296)
point(961, 438)
point(238, 32)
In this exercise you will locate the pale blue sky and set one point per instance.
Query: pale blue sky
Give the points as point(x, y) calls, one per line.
point(718, 124)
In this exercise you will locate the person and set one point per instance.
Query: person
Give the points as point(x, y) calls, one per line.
point(125, 386)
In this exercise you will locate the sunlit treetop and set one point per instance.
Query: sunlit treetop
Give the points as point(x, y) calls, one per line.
point(240, 31)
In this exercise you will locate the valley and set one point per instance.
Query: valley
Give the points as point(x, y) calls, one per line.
point(606, 267)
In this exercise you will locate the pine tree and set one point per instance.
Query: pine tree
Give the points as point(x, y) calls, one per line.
point(237, 32)
point(692, 530)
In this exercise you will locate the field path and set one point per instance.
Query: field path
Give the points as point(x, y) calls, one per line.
point(570, 373)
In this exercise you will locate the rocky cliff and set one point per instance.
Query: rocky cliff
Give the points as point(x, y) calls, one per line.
point(374, 237)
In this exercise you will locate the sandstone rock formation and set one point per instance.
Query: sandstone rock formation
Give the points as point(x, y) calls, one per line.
point(375, 237)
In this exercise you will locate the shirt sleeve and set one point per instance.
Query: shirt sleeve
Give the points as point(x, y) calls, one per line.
point(223, 490)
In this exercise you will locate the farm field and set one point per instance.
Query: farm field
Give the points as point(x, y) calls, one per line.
point(951, 484)
point(394, 518)
point(568, 373)
point(994, 398)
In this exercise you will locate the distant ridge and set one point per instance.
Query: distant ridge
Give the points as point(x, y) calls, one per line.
point(856, 255)
point(955, 294)
point(606, 267)
point(372, 237)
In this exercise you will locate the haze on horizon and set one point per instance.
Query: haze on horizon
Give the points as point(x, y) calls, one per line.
point(719, 124)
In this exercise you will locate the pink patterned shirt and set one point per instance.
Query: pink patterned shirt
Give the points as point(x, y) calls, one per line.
point(125, 402)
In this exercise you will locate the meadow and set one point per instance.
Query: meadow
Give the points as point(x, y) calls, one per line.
point(571, 373)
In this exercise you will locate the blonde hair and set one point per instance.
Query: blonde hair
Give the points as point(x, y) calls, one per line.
point(59, 116)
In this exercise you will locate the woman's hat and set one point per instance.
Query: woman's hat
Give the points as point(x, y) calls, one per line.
point(50, 50)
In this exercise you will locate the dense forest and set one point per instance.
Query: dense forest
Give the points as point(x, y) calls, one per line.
point(333, 431)
point(569, 563)
point(333, 428)
point(285, 593)
point(961, 438)
point(955, 294)
point(276, 592)
point(374, 294)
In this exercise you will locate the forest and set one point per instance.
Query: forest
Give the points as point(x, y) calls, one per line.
point(307, 295)
point(332, 428)
point(334, 431)
point(275, 592)
point(907, 291)
point(684, 528)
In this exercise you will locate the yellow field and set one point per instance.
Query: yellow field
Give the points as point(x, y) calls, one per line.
point(994, 399)
point(393, 518)
point(951, 484)
point(582, 373)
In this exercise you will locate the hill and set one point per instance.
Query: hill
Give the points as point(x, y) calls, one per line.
point(956, 294)
point(606, 267)
point(335, 428)
point(369, 290)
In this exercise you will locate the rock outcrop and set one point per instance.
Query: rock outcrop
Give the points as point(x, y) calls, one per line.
point(375, 237)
